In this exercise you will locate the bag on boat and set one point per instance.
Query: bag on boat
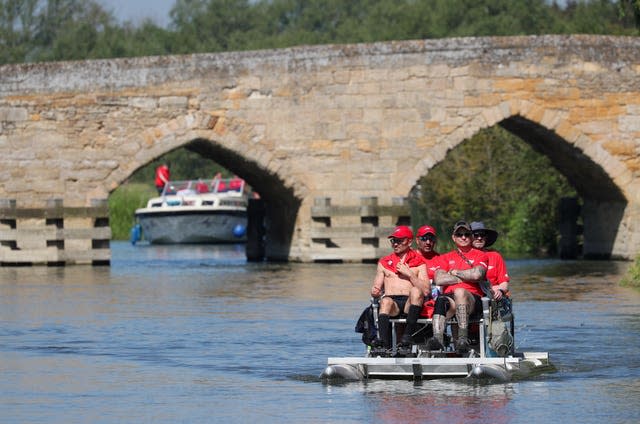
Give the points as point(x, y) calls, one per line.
point(367, 326)
point(427, 308)
point(500, 337)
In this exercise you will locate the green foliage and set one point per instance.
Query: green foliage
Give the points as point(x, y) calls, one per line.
point(497, 178)
point(122, 204)
point(184, 165)
point(632, 277)
point(45, 30)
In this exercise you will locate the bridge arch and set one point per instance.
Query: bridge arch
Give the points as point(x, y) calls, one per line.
point(228, 144)
point(598, 177)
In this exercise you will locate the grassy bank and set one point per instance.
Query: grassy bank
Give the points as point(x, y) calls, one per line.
point(122, 204)
point(632, 278)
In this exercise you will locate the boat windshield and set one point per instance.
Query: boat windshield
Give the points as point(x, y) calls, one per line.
point(233, 185)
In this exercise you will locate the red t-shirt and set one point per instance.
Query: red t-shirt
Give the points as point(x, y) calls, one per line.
point(410, 257)
point(497, 270)
point(162, 171)
point(452, 260)
point(431, 259)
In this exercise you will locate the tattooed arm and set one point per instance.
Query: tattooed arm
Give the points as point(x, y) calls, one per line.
point(444, 278)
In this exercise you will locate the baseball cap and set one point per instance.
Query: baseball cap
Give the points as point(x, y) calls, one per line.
point(425, 229)
point(402, 231)
point(461, 224)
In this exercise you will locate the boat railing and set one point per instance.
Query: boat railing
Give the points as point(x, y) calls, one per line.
point(228, 186)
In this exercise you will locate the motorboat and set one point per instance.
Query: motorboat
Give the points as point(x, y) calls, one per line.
point(194, 211)
point(481, 362)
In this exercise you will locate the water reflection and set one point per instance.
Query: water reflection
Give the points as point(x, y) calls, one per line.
point(456, 401)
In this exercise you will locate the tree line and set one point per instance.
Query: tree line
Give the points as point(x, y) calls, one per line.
point(46, 30)
point(477, 181)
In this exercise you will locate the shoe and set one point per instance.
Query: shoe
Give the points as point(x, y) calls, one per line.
point(434, 344)
point(462, 345)
point(403, 350)
point(380, 351)
point(406, 339)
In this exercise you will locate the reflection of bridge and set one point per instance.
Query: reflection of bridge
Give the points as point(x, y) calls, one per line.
point(333, 137)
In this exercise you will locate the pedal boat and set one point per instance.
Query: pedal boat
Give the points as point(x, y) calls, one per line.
point(480, 363)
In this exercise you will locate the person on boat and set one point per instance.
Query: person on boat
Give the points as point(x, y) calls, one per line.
point(201, 186)
point(401, 285)
point(497, 274)
point(162, 176)
point(426, 240)
point(235, 184)
point(460, 273)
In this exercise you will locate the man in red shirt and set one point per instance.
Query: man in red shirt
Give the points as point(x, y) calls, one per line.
point(426, 240)
point(162, 176)
point(459, 273)
point(497, 273)
point(401, 285)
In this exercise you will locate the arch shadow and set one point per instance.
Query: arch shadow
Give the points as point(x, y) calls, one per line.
point(280, 202)
point(604, 202)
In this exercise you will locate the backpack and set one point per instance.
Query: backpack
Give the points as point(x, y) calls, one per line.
point(500, 337)
point(367, 326)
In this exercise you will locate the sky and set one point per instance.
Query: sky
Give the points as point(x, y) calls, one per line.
point(136, 10)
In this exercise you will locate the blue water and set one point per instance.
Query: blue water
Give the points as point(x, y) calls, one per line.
point(196, 334)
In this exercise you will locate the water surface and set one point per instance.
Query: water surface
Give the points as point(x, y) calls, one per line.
point(196, 334)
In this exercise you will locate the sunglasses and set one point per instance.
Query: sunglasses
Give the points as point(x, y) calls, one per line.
point(396, 240)
point(463, 234)
point(480, 235)
point(428, 237)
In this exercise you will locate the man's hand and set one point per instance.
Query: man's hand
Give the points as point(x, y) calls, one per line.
point(376, 291)
point(497, 293)
point(404, 269)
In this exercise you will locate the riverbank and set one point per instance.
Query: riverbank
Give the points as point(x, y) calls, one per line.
point(123, 203)
point(632, 277)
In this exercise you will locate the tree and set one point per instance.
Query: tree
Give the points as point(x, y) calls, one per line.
point(474, 183)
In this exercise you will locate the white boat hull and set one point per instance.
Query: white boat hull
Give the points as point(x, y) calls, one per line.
point(193, 226)
point(500, 369)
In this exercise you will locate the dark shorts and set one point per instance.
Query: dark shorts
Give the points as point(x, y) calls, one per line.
point(477, 307)
point(400, 301)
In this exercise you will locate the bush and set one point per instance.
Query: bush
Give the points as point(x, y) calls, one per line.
point(632, 277)
point(123, 203)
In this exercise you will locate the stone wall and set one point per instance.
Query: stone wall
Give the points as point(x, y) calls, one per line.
point(348, 123)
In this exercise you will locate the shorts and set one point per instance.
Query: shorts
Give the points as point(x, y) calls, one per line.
point(400, 301)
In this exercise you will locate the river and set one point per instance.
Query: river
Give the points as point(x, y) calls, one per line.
point(196, 334)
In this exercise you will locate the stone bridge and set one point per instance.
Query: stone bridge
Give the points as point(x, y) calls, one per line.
point(333, 137)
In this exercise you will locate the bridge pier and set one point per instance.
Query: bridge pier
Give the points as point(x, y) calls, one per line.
point(254, 248)
point(354, 233)
point(54, 234)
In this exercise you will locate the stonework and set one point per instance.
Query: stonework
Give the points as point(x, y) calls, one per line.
point(347, 123)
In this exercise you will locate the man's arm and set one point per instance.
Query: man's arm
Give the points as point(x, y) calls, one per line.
point(416, 275)
point(454, 276)
point(444, 278)
point(477, 273)
point(378, 282)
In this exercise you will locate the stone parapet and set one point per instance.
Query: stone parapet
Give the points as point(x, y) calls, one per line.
point(54, 234)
